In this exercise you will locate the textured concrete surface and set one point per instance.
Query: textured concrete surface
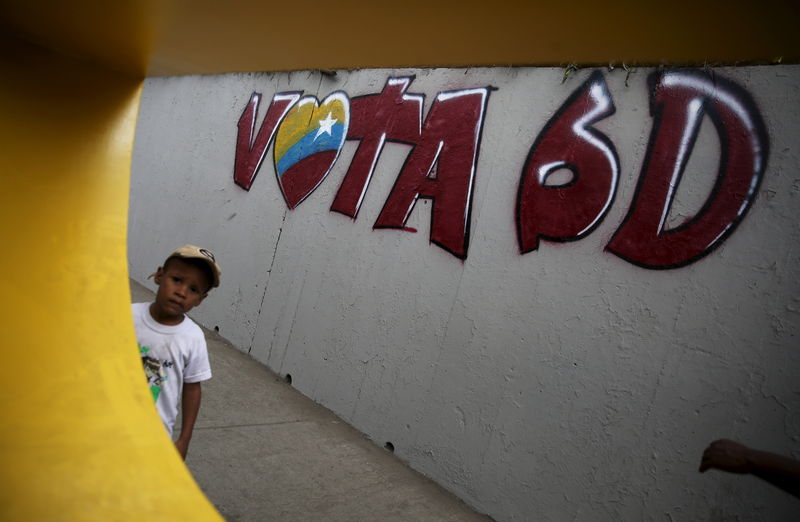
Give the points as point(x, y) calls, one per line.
point(562, 384)
point(263, 451)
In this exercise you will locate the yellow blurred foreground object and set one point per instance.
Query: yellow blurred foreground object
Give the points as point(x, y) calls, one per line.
point(80, 438)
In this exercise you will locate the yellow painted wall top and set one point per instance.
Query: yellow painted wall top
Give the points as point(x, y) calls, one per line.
point(198, 37)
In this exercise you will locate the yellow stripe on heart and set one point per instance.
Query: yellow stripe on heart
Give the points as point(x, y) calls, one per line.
point(304, 118)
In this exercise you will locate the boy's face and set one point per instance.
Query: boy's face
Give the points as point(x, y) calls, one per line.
point(181, 287)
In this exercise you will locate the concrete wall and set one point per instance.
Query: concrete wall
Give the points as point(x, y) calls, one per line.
point(598, 275)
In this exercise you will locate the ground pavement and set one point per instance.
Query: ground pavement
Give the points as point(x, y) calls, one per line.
point(262, 451)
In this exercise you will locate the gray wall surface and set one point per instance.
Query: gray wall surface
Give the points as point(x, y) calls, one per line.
point(565, 382)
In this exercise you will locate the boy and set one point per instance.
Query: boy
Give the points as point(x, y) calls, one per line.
point(173, 347)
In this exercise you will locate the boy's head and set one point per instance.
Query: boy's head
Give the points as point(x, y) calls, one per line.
point(200, 257)
point(183, 282)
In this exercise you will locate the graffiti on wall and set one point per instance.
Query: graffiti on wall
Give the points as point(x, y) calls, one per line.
point(442, 164)
point(569, 211)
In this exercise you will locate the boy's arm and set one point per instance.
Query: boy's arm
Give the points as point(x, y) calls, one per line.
point(190, 406)
point(731, 456)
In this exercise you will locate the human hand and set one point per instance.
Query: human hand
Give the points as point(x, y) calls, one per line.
point(182, 447)
point(727, 455)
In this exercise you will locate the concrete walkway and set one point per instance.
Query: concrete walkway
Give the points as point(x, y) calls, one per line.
point(262, 451)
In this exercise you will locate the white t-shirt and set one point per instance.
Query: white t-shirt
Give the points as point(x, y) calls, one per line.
point(171, 355)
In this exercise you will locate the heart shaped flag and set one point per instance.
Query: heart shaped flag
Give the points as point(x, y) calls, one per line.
point(308, 142)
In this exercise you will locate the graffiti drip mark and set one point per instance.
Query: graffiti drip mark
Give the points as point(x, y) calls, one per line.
point(308, 143)
point(570, 211)
point(448, 145)
point(679, 101)
point(250, 152)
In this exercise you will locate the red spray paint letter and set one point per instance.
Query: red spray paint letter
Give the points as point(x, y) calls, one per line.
point(391, 115)
point(571, 211)
point(448, 146)
point(250, 153)
point(679, 101)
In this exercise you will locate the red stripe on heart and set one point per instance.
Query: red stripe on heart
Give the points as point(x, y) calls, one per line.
point(300, 180)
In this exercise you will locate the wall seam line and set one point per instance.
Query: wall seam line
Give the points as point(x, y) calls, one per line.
point(266, 288)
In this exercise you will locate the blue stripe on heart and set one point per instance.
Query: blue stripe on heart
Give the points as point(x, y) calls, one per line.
point(308, 146)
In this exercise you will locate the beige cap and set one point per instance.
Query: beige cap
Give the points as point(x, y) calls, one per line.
point(195, 252)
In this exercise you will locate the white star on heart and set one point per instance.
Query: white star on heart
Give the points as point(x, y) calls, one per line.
point(325, 126)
